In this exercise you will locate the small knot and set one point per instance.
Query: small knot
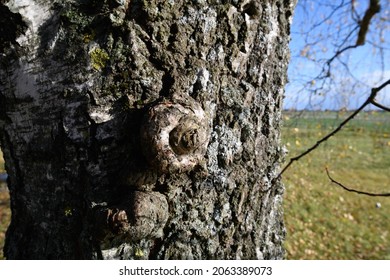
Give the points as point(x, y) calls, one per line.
point(184, 138)
point(175, 136)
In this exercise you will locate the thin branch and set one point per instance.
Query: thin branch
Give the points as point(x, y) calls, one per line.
point(370, 100)
point(362, 27)
point(373, 102)
point(328, 17)
point(355, 15)
point(338, 53)
point(374, 91)
point(373, 9)
point(348, 36)
point(319, 142)
point(353, 190)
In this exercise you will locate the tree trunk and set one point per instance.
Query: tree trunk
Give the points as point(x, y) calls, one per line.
point(137, 129)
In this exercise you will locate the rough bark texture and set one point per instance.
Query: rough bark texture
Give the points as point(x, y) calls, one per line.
point(82, 88)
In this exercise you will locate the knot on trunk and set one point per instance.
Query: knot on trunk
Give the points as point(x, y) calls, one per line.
point(140, 215)
point(175, 136)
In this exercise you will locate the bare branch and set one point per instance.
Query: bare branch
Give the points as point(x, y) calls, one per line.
point(373, 102)
point(355, 15)
point(353, 190)
point(373, 9)
point(328, 17)
point(359, 29)
point(370, 100)
point(337, 54)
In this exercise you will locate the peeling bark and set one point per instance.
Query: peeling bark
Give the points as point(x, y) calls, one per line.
point(77, 82)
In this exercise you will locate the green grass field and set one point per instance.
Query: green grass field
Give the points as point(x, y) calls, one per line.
point(323, 221)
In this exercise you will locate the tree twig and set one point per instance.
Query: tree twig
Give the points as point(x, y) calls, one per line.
point(373, 102)
point(370, 100)
point(353, 190)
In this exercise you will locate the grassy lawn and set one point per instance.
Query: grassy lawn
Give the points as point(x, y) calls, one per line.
point(324, 221)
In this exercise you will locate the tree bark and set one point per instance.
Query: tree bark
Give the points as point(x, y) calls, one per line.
point(137, 129)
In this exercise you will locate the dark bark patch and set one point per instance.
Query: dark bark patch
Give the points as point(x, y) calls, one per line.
point(12, 26)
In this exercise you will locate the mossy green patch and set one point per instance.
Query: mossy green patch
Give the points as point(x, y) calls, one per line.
point(99, 58)
point(88, 37)
point(72, 16)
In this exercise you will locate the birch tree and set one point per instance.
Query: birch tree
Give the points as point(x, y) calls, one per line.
point(137, 129)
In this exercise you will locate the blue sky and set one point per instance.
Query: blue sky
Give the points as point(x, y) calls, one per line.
point(368, 66)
